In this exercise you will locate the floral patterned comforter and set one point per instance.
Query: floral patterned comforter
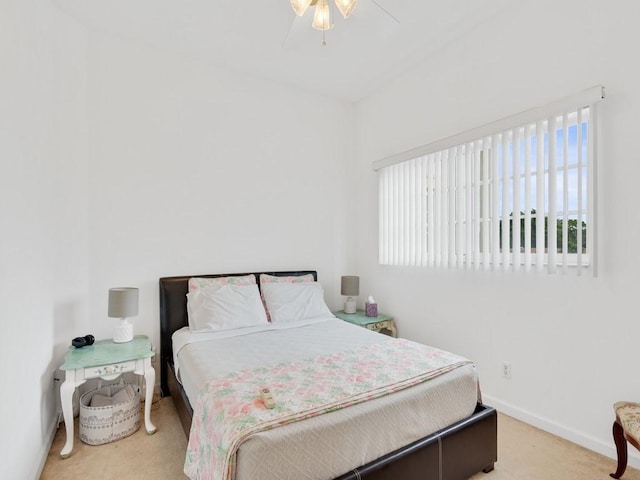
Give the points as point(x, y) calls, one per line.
point(229, 410)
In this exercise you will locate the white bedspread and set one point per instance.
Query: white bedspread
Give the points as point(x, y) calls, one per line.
point(329, 445)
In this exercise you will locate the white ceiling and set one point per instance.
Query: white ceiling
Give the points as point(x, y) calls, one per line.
point(264, 38)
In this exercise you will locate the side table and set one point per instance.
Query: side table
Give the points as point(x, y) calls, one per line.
point(381, 323)
point(107, 360)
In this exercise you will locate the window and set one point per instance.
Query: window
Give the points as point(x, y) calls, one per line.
point(515, 194)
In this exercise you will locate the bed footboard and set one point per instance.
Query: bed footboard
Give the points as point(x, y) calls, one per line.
point(456, 452)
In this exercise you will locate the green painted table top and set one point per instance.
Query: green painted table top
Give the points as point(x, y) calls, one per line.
point(107, 352)
point(359, 318)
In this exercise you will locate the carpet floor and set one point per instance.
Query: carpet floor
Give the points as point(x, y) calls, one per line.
point(524, 453)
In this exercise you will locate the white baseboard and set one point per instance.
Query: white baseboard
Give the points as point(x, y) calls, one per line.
point(607, 449)
point(45, 447)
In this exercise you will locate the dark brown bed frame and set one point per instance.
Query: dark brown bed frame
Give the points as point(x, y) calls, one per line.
point(456, 452)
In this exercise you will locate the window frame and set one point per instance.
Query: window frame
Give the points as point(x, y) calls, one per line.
point(473, 161)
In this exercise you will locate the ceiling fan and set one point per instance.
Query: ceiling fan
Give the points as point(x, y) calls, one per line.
point(323, 15)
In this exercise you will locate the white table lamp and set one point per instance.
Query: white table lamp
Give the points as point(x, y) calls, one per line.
point(123, 303)
point(350, 287)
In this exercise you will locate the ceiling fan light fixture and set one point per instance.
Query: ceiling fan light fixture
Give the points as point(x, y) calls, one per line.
point(322, 16)
point(346, 6)
point(300, 6)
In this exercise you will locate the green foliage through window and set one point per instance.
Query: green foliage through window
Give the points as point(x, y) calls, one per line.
point(572, 233)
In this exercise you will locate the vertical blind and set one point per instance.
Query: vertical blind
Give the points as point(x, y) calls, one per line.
point(515, 194)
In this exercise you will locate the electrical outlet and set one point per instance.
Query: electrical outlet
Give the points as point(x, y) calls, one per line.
point(506, 370)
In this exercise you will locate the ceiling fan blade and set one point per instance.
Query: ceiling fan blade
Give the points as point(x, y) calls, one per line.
point(300, 34)
point(387, 12)
point(372, 20)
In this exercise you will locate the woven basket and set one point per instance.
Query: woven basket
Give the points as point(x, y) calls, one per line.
point(99, 425)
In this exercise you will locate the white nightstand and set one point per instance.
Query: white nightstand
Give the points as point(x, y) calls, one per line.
point(107, 360)
point(381, 323)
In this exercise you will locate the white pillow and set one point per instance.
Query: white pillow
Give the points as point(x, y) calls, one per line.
point(225, 307)
point(288, 302)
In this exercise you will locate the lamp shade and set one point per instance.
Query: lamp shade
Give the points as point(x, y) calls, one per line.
point(300, 6)
point(123, 302)
point(322, 16)
point(346, 6)
point(350, 285)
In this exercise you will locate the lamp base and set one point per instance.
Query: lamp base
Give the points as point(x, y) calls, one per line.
point(123, 332)
point(350, 305)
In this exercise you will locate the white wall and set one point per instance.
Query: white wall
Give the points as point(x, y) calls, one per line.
point(572, 342)
point(121, 164)
point(195, 169)
point(43, 218)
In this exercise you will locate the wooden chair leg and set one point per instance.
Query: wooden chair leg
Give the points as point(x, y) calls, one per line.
point(621, 449)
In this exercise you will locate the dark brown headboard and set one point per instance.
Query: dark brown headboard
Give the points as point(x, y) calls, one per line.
point(173, 310)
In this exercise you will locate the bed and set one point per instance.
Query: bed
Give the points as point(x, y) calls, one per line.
point(453, 451)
